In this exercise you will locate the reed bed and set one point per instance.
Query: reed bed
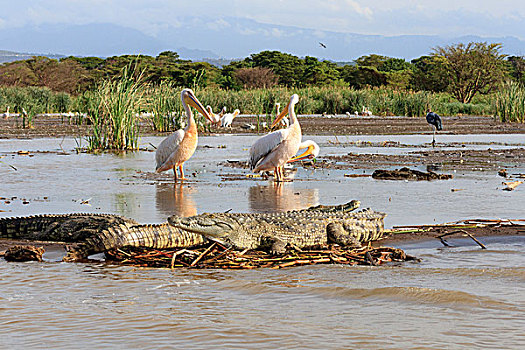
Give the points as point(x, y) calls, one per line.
point(164, 107)
point(509, 105)
point(112, 110)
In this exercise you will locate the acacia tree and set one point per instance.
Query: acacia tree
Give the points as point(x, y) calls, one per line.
point(255, 78)
point(470, 69)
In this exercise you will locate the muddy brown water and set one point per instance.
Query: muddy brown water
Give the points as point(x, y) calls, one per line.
point(458, 298)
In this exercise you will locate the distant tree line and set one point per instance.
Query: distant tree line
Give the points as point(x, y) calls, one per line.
point(463, 70)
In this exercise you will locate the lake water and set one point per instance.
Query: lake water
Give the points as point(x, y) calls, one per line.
point(456, 298)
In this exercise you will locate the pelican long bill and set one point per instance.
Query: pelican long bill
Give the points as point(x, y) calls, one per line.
point(191, 100)
point(280, 116)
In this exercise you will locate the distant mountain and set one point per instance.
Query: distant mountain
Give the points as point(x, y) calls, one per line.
point(10, 56)
point(220, 40)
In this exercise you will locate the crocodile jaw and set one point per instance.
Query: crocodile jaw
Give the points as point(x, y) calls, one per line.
point(205, 224)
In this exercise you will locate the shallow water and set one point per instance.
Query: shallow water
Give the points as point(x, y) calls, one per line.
point(125, 184)
point(458, 298)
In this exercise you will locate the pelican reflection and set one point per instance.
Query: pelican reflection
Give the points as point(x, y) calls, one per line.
point(175, 199)
point(281, 197)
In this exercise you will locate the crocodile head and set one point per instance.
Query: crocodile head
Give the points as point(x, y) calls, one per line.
point(209, 225)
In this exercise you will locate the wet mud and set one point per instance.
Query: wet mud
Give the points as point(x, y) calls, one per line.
point(56, 126)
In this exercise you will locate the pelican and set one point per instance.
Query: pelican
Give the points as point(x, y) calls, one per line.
point(273, 150)
point(285, 121)
point(215, 118)
point(312, 151)
point(223, 110)
point(177, 148)
point(366, 112)
point(227, 119)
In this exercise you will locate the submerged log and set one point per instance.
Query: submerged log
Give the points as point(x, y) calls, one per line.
point(408, 174)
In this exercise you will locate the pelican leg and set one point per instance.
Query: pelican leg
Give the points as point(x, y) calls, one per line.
point(175, 173)
point(277, 172)
point(181, 173)
point(433, 136)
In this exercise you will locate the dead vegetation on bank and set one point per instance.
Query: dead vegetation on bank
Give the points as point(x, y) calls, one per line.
point(217, 256)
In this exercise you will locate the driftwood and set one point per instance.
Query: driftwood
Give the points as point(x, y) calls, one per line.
point(218, 256)
point(463, 232)
point(467, 227)
point(408, 174)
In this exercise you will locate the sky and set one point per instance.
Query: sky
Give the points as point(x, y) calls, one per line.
point(383, 17)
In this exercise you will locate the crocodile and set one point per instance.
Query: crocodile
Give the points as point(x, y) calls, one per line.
point(275, 231)
point(89, 234)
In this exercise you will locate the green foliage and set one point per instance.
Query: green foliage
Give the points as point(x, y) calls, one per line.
point(426, 74)
point(509, 105)
point(470, 69)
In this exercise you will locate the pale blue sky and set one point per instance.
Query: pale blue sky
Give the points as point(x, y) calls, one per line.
point(437, 17)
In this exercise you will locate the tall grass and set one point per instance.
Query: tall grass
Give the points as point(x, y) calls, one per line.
point(112, 109)
point(164, 104)
point(509, 105)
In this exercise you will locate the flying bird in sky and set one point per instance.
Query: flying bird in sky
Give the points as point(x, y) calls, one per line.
point(322, 45)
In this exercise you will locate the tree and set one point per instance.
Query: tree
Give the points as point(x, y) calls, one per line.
point(517, 68)
point(319, 73)
point(361, 77)
point(426, 75)
point(471, 69)
point(288, 68)
point(254, 78)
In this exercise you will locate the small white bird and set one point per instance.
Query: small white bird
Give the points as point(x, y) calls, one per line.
point(366, 112)
point(6, 114)
point(248, 126)
point(227, 119)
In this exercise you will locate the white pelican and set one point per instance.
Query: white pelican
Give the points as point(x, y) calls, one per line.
point(366, 112)
point(227, 119)
point(312, 151)
point(177, 148)
point(284, 121)
point(223, 110)
point(273, 150)
point(215, 118)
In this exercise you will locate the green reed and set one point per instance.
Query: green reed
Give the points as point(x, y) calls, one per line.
point(509, 105)
point(164, 104)
point(112, 109)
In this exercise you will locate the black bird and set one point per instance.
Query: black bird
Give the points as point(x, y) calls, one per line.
point(435, 121)
point(322, 45)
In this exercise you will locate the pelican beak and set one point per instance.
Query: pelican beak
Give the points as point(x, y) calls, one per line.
point(280, 116)
point(306, 155)
point(195, 103)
